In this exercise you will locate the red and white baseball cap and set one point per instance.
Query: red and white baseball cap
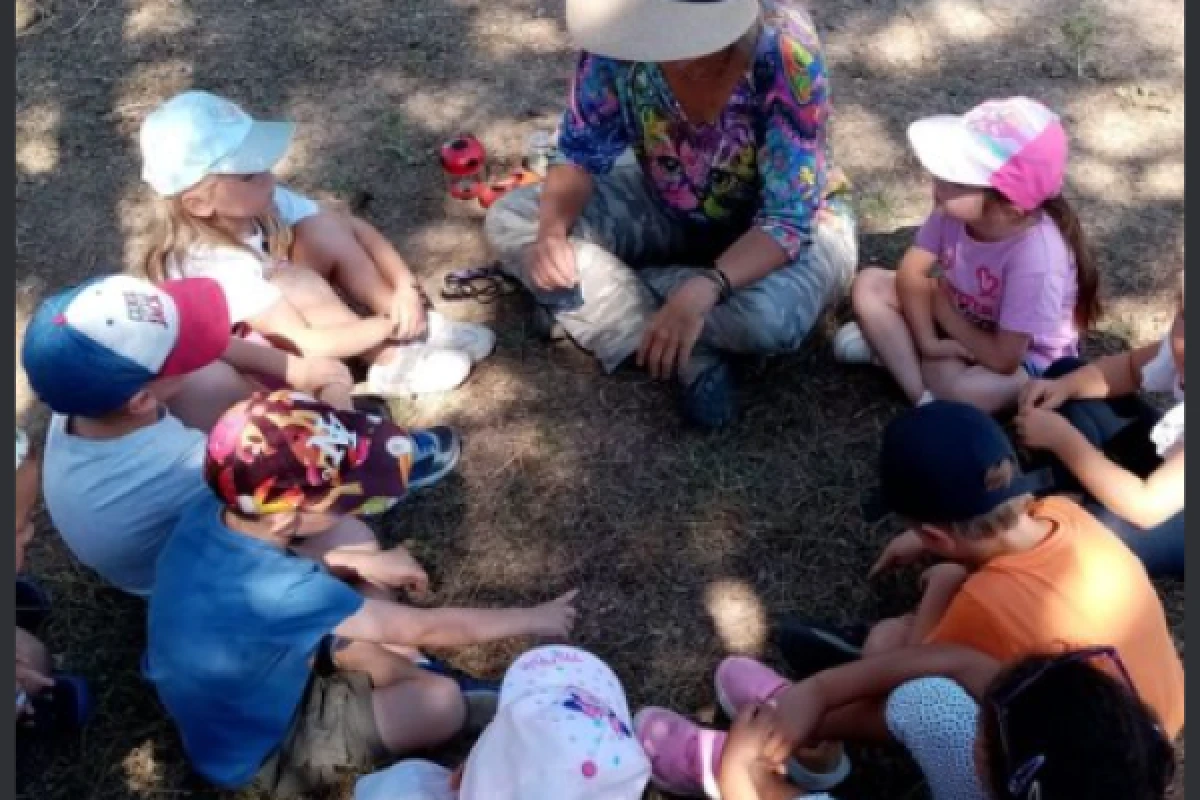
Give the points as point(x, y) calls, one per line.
point(1016, 146)
point(562, 730)
point(89, 349)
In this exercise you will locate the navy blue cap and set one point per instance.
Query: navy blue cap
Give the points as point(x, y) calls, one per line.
point(935, 462)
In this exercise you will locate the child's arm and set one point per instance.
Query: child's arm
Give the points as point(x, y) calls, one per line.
point(407, 307)
point(1144, 502)
point(744, 773)
point(1112, 376)
point(915, 287)
point(394, 624)
point(847, 702)
point(1002, 351)
point(942, 582)
point(308, 374)
point(346, 341)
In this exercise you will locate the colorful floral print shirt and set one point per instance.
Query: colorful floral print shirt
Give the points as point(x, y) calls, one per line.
point(765, 158)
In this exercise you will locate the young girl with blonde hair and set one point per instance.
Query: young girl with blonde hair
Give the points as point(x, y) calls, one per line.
point(283, 261)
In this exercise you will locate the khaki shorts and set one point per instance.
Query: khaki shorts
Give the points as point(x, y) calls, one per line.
point(333, 735)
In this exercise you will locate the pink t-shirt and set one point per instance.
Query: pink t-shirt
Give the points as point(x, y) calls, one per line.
point(1026, 284)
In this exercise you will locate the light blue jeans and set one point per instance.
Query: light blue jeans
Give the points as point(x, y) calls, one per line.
point(631, 254)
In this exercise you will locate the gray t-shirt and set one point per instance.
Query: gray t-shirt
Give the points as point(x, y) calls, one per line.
point(116, 501)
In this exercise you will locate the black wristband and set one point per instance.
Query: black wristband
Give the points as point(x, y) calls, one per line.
point(722, 281)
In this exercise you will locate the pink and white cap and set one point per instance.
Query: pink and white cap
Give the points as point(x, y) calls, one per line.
point(1016, 146)
point(562, 730)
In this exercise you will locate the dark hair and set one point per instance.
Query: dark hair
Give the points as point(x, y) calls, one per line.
point(1087, 303)
point(1093, 738)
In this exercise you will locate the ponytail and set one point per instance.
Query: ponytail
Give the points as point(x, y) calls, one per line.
point(1087, 303)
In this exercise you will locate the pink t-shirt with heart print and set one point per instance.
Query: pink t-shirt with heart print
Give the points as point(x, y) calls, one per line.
point(1025, 284)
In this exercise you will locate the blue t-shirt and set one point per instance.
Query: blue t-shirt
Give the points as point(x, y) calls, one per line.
point(234, 625)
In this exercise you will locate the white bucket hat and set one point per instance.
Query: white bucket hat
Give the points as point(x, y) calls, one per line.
point(197, 134)
point(658, 30)
point(562, 730)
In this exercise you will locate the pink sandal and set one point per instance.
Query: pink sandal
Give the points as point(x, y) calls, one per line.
point(742, 682)
point(684, 755)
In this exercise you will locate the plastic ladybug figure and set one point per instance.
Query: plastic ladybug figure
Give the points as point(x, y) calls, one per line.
point(463, 160)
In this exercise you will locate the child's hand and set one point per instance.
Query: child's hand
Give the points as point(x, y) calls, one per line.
point(798, 712)
point(901, 551)
point(1047, 395)
point(556, 618)
point(408, 313)
point(312, 374)
point(744, 771)
point(396, 569)
point(1039, 429)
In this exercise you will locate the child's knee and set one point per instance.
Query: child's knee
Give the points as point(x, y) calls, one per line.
point(873, 288)
point(512, 222)
point(321, 239)
point(304, 286)
point(888, 635)
point(445, 709)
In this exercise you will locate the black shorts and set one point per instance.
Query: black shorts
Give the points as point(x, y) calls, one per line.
point(333, 735)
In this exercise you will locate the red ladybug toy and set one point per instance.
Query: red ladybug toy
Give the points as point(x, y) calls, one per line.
point(463, 156)
point(463, 160)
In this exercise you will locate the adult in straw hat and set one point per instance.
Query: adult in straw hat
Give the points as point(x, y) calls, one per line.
point(732, 236)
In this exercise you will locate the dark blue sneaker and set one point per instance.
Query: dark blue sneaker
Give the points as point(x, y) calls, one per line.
point(33, 605)
point(708, 401)
point(437, 452)
point(63, 709)
point(808, 649)
point(481, 696)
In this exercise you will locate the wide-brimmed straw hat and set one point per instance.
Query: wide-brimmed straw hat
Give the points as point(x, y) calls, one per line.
point(658, 30)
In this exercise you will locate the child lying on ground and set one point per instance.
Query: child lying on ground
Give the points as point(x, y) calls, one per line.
point(562, 730)
point(1048, 726)
point(1000, 281)
point(1127, 456)
point(275, 671)
point(281, 259)
point(109, 357)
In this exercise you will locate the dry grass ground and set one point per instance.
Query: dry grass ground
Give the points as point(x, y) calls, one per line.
point(681, 542)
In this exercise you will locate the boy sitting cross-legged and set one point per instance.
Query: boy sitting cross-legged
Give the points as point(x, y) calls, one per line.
point(276, 672)
point(1020, 579)
point(1018, 576)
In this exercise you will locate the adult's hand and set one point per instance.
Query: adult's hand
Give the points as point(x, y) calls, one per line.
point(552, 263)
point(672, 334)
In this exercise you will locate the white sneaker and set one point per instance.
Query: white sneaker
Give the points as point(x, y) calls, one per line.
point(851, 347)
point(477, 341)
point(419, 369)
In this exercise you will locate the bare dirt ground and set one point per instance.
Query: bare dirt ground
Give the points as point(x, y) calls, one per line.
point(681, 542)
